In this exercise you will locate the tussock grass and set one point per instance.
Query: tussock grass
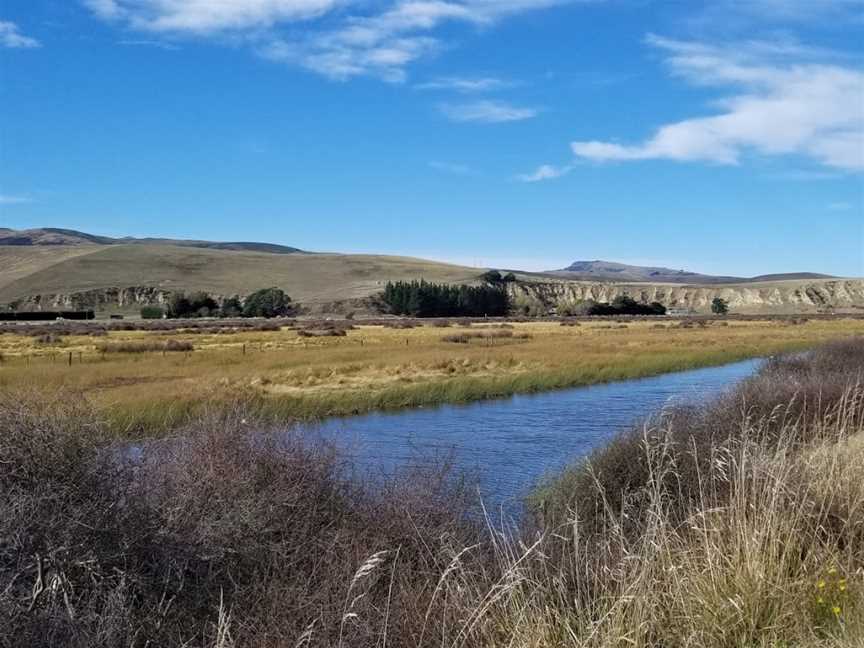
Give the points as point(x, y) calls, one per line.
point(145, 347)
point(497, 333)
point(736, 524)
point(374, 367)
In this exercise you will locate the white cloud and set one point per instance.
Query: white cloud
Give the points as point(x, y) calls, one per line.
point(840, 206)
point(207, 16)
point(465, 85)
point(782, 103)
point(488, 112)
point(379, 43)
point(545, 172)
point(11, 37)
point(6, 199)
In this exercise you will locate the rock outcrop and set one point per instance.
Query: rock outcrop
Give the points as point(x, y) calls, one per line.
point(768, 297)
point(99, 299)
point(835, 295)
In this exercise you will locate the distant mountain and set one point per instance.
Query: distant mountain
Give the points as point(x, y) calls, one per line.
point(56, 236)
point(611, 271)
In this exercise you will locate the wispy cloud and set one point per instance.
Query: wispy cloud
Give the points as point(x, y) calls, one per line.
point(6, 199)
point(545, 172)
point(840, 206)
point(487, 112)
point(379, 43)
point(781, 103)
point(203, 17)
point(466, 85)
point(11, 37)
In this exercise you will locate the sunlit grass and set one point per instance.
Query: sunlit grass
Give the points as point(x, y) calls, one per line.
point(372, 368)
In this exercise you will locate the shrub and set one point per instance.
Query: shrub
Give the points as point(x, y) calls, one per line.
point(152, 312)
point(719, 306)
point(196, 304)
point(529, 306)
point(231, 307)
point(491, 277)
point(48, 339)
point(219, 533)
point(465, 337)
point(144, 347)
point(334, 332)
point(624, 305)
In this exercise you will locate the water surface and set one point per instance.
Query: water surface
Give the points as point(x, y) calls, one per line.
point(511, 443)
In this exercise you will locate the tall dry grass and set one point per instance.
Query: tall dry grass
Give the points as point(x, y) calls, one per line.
point(736, 524)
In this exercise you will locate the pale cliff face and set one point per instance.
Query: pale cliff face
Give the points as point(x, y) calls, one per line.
point(768, 297)
point(759, 298)
point(132, 297)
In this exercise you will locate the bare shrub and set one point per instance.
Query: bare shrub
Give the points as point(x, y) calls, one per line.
point(48, 339)
point(219, 530)
point(330, 332)
point(145, 347)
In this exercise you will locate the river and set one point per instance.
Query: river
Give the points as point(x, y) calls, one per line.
point(511, 443)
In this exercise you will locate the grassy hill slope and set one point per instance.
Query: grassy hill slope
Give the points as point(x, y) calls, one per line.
point(309, 278)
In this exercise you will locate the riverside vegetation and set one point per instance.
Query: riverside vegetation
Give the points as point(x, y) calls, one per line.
point(148, 382)
point(737, 523)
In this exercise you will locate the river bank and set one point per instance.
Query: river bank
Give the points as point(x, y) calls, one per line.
point(147, 383)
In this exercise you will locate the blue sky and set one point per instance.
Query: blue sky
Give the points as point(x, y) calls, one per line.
point(723, 136)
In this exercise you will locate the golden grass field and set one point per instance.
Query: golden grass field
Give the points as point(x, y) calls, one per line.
point(291, 377)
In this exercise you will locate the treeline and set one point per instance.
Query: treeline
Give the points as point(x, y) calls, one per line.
point(41, 316)
point(423, 299)
point(624, 305)
point(267, 302)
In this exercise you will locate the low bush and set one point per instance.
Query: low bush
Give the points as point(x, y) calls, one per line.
point(152, 312)
point(465, 337)
point(48, 339)
point(215, 539)
point(332, 332)
point(144, 347)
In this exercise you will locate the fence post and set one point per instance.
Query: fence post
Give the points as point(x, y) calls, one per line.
point(70, 358)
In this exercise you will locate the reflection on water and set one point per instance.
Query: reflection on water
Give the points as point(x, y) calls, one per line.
point(511, 443)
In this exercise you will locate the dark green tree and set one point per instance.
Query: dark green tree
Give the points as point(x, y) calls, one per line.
point(202, 304)
point(267, 302)
point(719, 306)
point(491, 276)
point(231, 307)
point(179, 306)
point(152, 312)
point(423, 299)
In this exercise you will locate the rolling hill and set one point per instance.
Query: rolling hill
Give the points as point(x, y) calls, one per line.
point(53, 236)
point(314, 279)
point(611, 271)
point(51, 268)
